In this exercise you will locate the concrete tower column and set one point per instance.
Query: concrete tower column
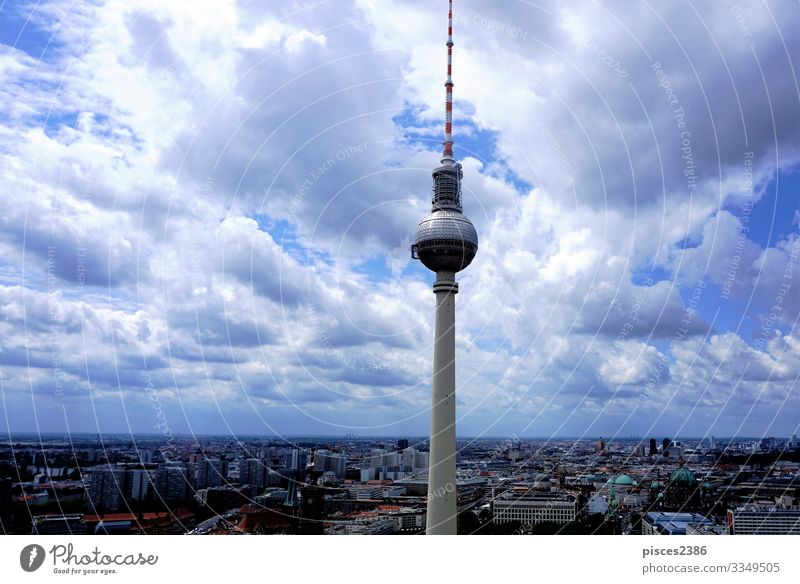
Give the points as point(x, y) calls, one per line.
point(441, 517)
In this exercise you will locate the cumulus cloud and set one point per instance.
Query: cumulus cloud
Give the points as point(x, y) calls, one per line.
point(213, 201)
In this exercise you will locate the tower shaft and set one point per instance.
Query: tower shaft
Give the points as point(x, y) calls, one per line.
point(446, 242)
point(442, 494)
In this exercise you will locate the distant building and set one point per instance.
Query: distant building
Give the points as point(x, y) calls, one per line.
point(58, 525)
point(211, 472)
point(534, 507)
point(376, 458)
point(253, 471)
point(706, 529)
point(653, 447)
point(764, 520)
point(601, 445)
point(171, 482)
point(409, 458)
point(106, 487)
point(325, 460)
point(137, 484)
point(659, 523)
point(296, 459)
point(682, 490)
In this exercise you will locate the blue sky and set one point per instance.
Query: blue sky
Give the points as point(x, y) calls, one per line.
point(207, 212)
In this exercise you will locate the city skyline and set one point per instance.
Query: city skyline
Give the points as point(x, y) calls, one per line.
point(207, 215)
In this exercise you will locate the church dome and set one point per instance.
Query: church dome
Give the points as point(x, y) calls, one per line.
point(682, 476)
point(624, 480)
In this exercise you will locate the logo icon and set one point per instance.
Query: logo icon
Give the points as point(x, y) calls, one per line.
point(31, 557)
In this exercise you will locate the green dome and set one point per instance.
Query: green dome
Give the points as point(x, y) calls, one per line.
point(682, 476)
point(655, 485)
point(624, 480)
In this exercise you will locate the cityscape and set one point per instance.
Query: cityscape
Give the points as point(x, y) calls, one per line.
point(215, 485)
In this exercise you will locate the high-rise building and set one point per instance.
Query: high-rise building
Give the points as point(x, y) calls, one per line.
point(653, 447)
point(402, 444)
point(392, 459)
point(601, 445)
point(325, 460)
point(665, 445)
point(172, 481)
point(296, 459)
point(446, 242)
point(253, 471)
point(423, 461)
point(409, 458)
point(211, 472)
point(137, 484)
point(376, 457)
point(106, 487)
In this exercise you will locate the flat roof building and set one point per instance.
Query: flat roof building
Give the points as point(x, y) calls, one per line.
point(764, 520)
point(661, 523)
point(535, 507)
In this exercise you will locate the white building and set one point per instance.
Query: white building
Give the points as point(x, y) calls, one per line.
point(764, 520)
point(410, 458)
point(334, 462)
point(139, 481)
point(535, 507)
point(376, 457)
point(296, 459)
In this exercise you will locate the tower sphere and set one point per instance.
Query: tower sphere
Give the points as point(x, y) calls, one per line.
point(446, 241)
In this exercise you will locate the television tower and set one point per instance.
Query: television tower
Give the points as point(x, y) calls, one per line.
point(446, 243)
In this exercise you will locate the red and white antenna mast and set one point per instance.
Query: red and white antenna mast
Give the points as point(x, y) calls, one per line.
point(447, 154)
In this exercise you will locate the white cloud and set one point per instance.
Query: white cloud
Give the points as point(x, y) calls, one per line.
point(229, 190)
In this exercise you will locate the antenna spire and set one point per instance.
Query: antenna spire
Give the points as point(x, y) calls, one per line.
point(447, 154)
